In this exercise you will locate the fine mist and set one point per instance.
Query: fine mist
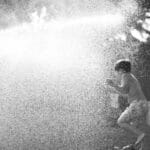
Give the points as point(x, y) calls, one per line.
point(53, 67)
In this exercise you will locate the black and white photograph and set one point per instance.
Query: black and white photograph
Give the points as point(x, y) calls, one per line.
point(74, 75)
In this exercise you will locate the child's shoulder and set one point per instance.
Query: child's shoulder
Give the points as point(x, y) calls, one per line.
point(129, 77)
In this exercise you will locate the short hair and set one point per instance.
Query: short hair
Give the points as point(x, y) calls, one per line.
point(123, 64)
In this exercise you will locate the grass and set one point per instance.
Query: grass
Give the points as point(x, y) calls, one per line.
point(49, 111)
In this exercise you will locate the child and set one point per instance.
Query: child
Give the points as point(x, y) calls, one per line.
point(136, 99)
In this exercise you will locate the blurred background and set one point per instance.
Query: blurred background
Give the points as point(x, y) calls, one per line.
point(55, 56)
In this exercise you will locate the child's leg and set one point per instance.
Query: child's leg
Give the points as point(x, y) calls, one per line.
point(139, 133)
point(127, 126)
point(124, 120)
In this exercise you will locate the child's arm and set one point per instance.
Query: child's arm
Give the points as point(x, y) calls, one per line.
point(124, 88)
point(112, 90)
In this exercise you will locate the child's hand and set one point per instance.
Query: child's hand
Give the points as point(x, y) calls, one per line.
point(110, 82)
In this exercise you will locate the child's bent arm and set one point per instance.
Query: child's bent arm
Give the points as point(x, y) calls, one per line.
point(121, 89)
point(112, 90)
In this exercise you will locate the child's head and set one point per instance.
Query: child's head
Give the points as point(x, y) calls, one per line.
point(123, 66)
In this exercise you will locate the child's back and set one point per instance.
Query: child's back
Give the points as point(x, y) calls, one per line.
point(135, 91)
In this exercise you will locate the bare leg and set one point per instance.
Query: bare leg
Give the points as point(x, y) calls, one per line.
point(133, 129)
point(126, 117)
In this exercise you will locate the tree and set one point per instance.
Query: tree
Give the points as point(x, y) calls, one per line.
point(142, 56)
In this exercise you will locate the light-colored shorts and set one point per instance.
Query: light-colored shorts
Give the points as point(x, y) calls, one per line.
point(136, 110)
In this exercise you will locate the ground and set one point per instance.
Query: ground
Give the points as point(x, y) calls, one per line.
point(61, 130)
point(57, 111)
